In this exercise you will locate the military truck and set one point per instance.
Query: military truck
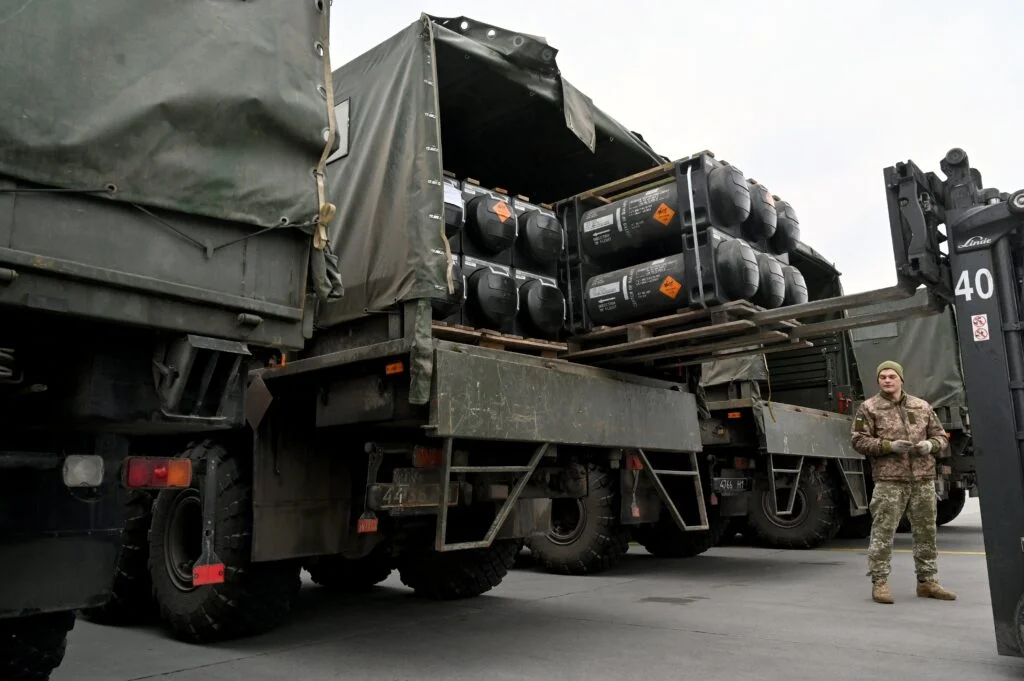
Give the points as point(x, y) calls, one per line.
point(428, 420)
point(438, 409)
point(159, 199)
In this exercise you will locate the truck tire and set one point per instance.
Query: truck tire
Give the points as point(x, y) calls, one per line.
point(1018, 621)
point(348, 575)
point(855, 527)
point(948, 509)
point(32, 647)
point(666, 540)
point(132, 599)
point(453, 575)
point(586, 536)
point(815, 517)
point(254, 597)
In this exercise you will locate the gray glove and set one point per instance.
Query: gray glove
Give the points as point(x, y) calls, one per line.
point(924, 447)
point(901, 446)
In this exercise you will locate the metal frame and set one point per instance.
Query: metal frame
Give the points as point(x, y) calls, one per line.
point(772, 471)
point(848, 476)
point(667, 499)
point(440, 543)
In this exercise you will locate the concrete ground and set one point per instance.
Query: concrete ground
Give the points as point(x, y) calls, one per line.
point(734, 613)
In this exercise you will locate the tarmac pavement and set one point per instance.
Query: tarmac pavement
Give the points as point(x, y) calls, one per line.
point(734, 613)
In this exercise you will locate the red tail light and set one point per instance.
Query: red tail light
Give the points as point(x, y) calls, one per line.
point(144, 472)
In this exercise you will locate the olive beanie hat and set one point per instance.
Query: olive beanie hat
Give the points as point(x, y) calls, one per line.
point(889, 365)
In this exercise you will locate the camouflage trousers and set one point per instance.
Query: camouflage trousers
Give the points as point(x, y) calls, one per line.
point(889, 501)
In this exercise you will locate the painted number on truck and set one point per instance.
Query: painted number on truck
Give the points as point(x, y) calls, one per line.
point(983, 284)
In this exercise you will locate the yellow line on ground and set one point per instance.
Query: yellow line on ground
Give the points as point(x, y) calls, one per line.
point(849, 549)
point(865, 550)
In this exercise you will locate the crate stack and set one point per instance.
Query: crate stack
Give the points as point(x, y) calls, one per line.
point(694, 236)
point(633, 265)
point(678, 265)
point(506, 253)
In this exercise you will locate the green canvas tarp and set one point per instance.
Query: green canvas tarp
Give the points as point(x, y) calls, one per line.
point(457, 95)
point(210, 108)
point(928, 348)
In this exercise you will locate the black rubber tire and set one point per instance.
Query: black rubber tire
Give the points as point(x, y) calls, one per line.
point(254, 597)
point(455, 575)
point(32, 647)
point(350, 576)
point(596, 542)
point(948, 509)
point(132, 599)
point(855, 527)
point(1019, 624)
point(666, 540)
point(816, 522)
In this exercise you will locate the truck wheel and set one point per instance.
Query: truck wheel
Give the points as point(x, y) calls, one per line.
point(586, 536)
point(343, 574)
point(132, 598)
point(855, 527)
point(453, 575)
point(32, 647)
point(814, 518)
point(666, 540)
point(949, 509)
point(1019, 622)
point(254, 597)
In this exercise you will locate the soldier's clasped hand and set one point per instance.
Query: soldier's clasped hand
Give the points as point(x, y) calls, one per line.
point(901, 446)
point(923, 447)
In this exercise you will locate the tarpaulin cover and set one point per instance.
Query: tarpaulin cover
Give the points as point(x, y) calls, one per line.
point(211, 108)
point(926, 346)
point(457, 95)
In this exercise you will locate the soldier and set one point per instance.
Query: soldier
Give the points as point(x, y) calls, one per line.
point(901, 436)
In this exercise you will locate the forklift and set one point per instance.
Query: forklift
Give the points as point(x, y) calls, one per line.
point(964, 244)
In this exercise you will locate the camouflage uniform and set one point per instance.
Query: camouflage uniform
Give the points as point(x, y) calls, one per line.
point(904, 482)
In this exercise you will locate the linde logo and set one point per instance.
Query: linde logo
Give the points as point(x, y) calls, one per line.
point(974, 242)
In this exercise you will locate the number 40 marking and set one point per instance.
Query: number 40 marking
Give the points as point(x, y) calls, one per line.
point(984, 286)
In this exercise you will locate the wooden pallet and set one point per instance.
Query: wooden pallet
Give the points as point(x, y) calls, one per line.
point(686, 337)
point(486, 338)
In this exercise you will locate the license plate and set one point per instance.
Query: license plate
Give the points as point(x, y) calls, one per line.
point(405, 495)
point(727, 485)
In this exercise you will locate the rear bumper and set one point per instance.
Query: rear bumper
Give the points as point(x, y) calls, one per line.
point(780, 428)
point(55, 573)
point(58, 547)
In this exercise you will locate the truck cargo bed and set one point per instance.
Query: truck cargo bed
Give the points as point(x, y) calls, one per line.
point(486, 393)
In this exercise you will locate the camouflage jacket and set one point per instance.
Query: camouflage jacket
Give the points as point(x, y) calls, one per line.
point(880, 420)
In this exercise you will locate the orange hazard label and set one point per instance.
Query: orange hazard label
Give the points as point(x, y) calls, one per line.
point(664, 214)
point(501, 208)
point(670, 287)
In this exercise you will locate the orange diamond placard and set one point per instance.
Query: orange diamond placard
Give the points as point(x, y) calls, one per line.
point(664, 214)
point(670, 287)
point(501, 208)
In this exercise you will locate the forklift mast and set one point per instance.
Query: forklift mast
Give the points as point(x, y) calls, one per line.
point(980, 275)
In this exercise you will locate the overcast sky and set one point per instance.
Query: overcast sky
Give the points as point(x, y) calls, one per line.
point(812, 98)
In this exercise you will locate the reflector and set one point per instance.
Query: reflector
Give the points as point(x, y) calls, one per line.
point(157, 472)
